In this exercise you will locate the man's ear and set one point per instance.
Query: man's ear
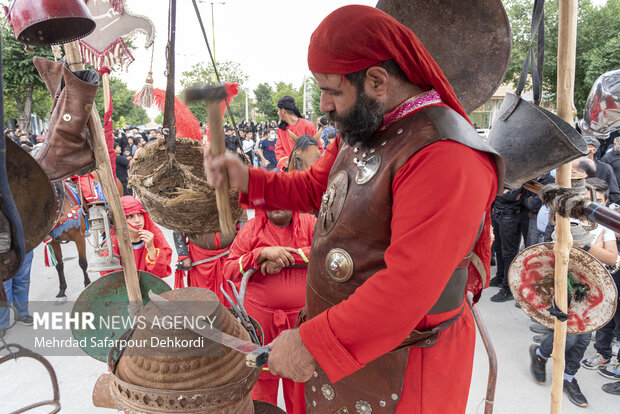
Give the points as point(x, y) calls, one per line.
point(377, 80)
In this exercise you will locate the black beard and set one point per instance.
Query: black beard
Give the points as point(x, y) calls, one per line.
point(361, 121)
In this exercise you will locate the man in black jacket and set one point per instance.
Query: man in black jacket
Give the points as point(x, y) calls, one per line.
point(122, 165)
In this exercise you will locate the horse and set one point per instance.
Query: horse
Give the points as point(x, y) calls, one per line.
point(71, 227)
point(304, 153)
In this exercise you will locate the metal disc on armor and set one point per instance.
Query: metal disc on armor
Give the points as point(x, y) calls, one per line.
point(367, 169)
point(470, 41)
point(333, 202)
point(593, 296)
point(33, 194)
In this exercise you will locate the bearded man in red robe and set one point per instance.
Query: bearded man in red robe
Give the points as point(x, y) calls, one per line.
point(291, 121)
point(150, 248)
point(403, 196)
point(271, 242)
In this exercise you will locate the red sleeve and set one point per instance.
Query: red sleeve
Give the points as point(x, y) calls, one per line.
point(297, 191)
point(161, 266)
point(439, 198)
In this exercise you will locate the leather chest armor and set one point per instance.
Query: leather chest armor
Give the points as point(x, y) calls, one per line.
point(351, 236)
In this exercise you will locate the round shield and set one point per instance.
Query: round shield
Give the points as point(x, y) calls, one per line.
point(106, 298)
point(593, 294)
point(33, 194)
point(470, 41)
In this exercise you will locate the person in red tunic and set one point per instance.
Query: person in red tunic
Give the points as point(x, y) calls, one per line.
point(150, 248)
point(404, 196)
point(291, 121)
point(210, 250)
point(270, 242)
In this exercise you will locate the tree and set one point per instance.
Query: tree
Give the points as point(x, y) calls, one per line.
point(598, 38)
point(22, 82)
point(125, 112)
point(159, 119)
point(283, 89)
point(230, 72)
point(264, 101)
point(315, 93)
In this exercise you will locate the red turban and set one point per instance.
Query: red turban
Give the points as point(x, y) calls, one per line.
point(356, 37)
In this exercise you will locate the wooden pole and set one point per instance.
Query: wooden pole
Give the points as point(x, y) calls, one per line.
point(104, 167)
point(218, 147)
point(567, 44)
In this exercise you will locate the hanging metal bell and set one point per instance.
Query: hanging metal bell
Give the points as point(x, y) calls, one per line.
point(50, 22)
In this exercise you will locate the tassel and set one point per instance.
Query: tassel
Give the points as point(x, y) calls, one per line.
point(50, 258)
point(144, 98)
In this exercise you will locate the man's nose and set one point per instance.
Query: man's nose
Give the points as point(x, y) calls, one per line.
point(327, 103)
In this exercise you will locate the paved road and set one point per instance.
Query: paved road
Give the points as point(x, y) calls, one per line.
point(23, 382)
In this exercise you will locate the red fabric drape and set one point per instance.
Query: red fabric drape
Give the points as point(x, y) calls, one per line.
point(108, 126)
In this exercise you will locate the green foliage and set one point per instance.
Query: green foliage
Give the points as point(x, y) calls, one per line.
point(264, 102)
point(125, 112)
point(159, 119)
point(202, 73)
point(23, 86)
point(283, 89)
point(598, 41)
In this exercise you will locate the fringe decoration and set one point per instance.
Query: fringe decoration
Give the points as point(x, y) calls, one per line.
point(186, 124)
point(50, 258)
point(117, 53)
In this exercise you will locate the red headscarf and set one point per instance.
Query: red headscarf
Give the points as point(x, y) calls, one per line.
point(132, 205)
point(356, 37)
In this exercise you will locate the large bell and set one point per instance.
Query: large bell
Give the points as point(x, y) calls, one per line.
point(50, 22)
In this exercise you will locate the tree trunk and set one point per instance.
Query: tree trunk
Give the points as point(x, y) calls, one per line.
point(25, 110)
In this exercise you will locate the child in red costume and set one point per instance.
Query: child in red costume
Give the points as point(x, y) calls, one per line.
point(275, 294)
point(150, 248)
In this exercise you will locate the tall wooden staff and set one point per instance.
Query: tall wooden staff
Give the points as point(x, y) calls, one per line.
point(104, 167)
point(567, 43)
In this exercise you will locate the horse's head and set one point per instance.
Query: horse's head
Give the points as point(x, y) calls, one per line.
point(304, 153)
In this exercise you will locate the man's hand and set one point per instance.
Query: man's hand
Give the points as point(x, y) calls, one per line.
point(238, 174)
point(290, 358)
point(270, 267)
point(278, 254)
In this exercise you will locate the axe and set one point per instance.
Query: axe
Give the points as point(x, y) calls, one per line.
point(213, 95)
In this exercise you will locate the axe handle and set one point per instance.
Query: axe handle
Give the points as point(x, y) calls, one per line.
point(218, 147)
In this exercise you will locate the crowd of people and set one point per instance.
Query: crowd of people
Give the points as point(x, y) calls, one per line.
point(375, 297)
point(521, 220)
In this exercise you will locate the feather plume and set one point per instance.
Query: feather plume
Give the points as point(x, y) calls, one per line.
point(186, 124)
